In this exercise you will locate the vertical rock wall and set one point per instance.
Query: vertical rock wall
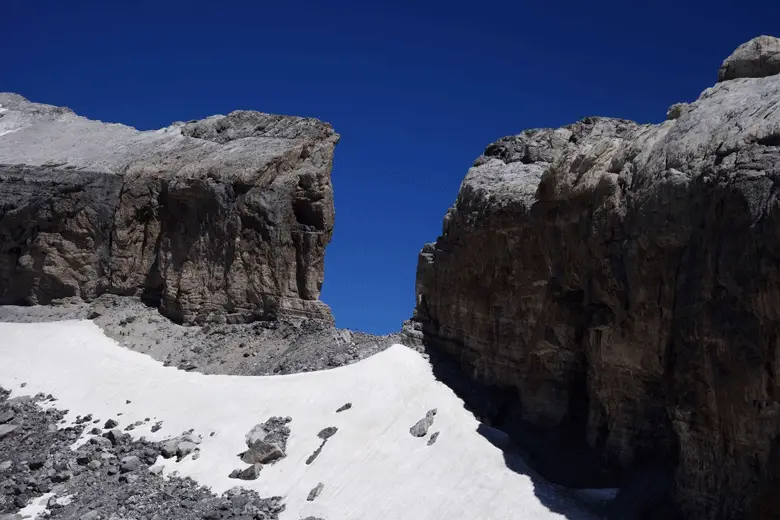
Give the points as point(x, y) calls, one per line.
point(228, 216)
point(622, 282)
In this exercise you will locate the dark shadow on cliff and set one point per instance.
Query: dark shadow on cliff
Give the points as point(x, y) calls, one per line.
point(571, 503)
point(558, 460)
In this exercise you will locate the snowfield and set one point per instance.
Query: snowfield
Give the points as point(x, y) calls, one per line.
point(372, 468)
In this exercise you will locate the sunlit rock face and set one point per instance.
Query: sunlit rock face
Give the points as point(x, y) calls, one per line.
point(226, 217)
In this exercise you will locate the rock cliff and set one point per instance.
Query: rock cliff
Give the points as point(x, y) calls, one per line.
point(620, 283)
point(224, 217)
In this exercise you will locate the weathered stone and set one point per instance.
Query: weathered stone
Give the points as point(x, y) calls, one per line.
point(250, 473)
point(6, 429)
point(273, 431)
point(420, 429)
point(619, 286)
point(184, 448)
point(344, 407)
point(6, 415)
point(115, 436)
point(228, 215)
point(757, 58)
point(129, 463)
point(169, 449)
point(262, 452)
point(315, 492)
point(327, 433)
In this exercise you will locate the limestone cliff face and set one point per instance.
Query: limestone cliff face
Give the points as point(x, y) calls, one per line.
point(228, 216)
point(623, 280)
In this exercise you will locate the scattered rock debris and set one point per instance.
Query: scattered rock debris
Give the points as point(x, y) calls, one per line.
point(324, 434)
point(421, 428)
point(327, 433)
point(108, 477)
point(266, 443)
point(315, 492)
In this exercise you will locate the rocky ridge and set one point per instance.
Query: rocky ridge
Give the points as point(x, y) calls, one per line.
point(614, 285)
point(265, 347)
point(224, 218)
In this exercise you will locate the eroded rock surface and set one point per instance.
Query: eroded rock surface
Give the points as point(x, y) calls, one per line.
point(228, 216)
point(620, 284)
point(757, 58)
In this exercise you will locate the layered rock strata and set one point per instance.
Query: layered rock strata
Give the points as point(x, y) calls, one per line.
point(224, 217)
point(621, 282)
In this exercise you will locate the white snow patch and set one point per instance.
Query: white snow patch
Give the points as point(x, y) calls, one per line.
point(372, 468)
point(3, 132)
point(36, 507)
point(64, 501)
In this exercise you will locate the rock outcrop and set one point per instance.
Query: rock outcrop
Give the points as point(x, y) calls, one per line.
point(621, 282)
point(228, 216)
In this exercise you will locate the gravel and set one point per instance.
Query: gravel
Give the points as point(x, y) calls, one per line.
point(107, 478)
point(260, 348)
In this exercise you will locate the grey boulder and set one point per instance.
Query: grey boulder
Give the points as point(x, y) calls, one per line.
point(250, 473)
point(129, 463)
point(6, 429)
point(420, 428)
point(315, 492)
point(184, 448)
point(757, 58)
point(169, 448)
point(262, 452)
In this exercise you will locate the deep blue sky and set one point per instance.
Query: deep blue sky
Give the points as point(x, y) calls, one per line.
point(416, 90)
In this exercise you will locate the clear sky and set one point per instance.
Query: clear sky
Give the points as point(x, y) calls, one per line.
point(416, 89)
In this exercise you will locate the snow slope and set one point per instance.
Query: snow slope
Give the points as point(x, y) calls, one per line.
point(372, 469)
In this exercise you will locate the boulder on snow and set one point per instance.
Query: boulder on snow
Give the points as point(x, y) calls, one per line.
point(184, 448)
point(262, 452)
point(327, 433)
point(273, 431)
point(250, 473)
point(315, 492)
point(420, 429)
point(344, 407)
point(169, 448)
